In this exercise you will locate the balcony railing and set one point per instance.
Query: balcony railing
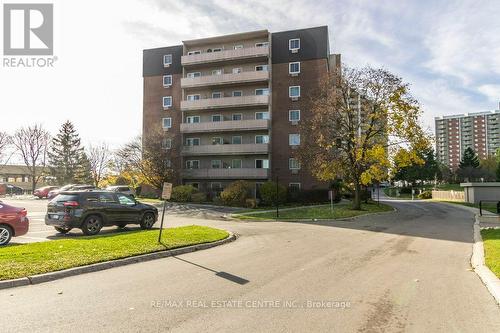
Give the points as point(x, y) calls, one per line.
point(229, 149)
point(223, 79)
point(221, 126)
point(251, 52)
point(214, 103)
point(243, 173)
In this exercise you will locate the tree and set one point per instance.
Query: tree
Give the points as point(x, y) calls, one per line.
point(99, 161)
point(83, 173)
point(468, 168)
point(488, 168)
point(5, 142)
point(356, 121)
point(32, 143)
point(426, 171)
point(66, 156)
point(151, 158)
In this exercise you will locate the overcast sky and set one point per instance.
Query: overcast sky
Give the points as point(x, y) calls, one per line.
point(448, 51)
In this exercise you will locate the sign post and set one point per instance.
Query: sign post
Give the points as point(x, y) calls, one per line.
point(166, 193)
point(330, 196)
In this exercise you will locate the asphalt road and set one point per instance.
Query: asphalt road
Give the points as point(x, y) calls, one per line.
point(406, 271)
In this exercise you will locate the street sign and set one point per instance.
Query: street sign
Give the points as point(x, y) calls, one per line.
point(167, 191)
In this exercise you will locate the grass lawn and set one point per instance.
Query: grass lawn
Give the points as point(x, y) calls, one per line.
point(491, 238)
point(149, 200)
point(491, 207)
point(316, 212)
point(450, 187)
point(35, 258)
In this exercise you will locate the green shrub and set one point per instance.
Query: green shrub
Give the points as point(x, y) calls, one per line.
point(251, 203)
point(183, 193)
point(236, 193)
point(269, 195)
point(199, 197)
point(425, 195)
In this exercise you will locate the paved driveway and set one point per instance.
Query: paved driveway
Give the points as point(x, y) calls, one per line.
point(397, 272)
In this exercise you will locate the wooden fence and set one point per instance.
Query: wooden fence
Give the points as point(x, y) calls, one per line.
point(448, 195)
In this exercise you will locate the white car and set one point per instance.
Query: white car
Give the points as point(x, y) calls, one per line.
point(121, 189)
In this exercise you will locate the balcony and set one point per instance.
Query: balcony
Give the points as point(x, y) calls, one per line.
point(225, 79)
point(253, 53)
point(224, 102)
point(229, 149)
point(243, 173)
point(223, 126)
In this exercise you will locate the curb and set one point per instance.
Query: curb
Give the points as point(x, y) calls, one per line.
point(51, 276)
point(490, 280)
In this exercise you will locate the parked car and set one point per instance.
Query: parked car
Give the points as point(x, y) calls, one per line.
point(83, 187)
point(13, 222)
point(55, 192)
point(14, 190)
point(92, 210)
point(43, 192)
point(121, 189)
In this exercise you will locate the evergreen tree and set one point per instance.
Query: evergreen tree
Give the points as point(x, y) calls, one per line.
point(66, 154)
point(83, 173)
point(469, 160)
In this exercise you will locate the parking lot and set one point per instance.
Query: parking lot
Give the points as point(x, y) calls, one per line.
point(39, 232)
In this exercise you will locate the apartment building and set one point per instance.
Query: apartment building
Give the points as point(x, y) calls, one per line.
point(479, 131)
point(232, 105)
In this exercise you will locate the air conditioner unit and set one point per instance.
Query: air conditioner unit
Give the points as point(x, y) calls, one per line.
point(295, 122)
point(167, 85)
point(166, 65)
point(295, 147)
point(295, 171)
point(294, 74)
point(294, 98)
point(295, 50)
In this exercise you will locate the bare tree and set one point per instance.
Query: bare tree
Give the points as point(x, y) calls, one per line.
point(100, 158)
point(32, 143)
point(5, 142)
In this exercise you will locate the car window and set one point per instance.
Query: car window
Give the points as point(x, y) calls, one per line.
point(107, 198)
point(93, 198)
point(124, 200)
point(66, 197)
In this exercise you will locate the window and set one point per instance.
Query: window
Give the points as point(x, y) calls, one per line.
point(237, 70)
point(237, 93)
point(294, 187)
point(192, 141)
point(261, 115)
point(167, 122)
point(217, 72)
point(259, 139)
point(193, 119)
point(217, 140)
point(262, 44)
point(167, 60)
point(167, 80)
point(236, 140)
point(262, 91)
point(294, 68)
point(217, 49)
point(167, 143)
point(167, 101)
point(294, 115)
point(125, 200)
point(193, 97)
point(192, 164)
point(107, 198)
point(216, 164)
point(294, 44)
point(262, 164)
point(194, 52)
point(168, 163)
point(237, 116)
point(216, 95)
point(294, 139)
point(237, 47)
point(236, 164)
point(293, 164)
point(192, 75)
point(217, 117)
point(261, 68)
point(294, 91)
point(216, 186)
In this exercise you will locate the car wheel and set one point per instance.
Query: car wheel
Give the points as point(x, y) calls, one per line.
point(5, 234)
point(147, 221)
point(62, 230)
point(121, 226)
point(92, 225)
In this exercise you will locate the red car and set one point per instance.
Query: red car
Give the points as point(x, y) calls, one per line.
point(43, 192)
point(13, 222)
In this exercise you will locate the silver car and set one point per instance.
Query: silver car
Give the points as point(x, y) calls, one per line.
point(121, 189)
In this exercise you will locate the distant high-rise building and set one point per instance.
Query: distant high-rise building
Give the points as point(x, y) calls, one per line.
point(479, 131)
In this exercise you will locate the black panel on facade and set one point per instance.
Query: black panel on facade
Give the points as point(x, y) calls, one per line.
point(152, 61)
point(313, 45)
